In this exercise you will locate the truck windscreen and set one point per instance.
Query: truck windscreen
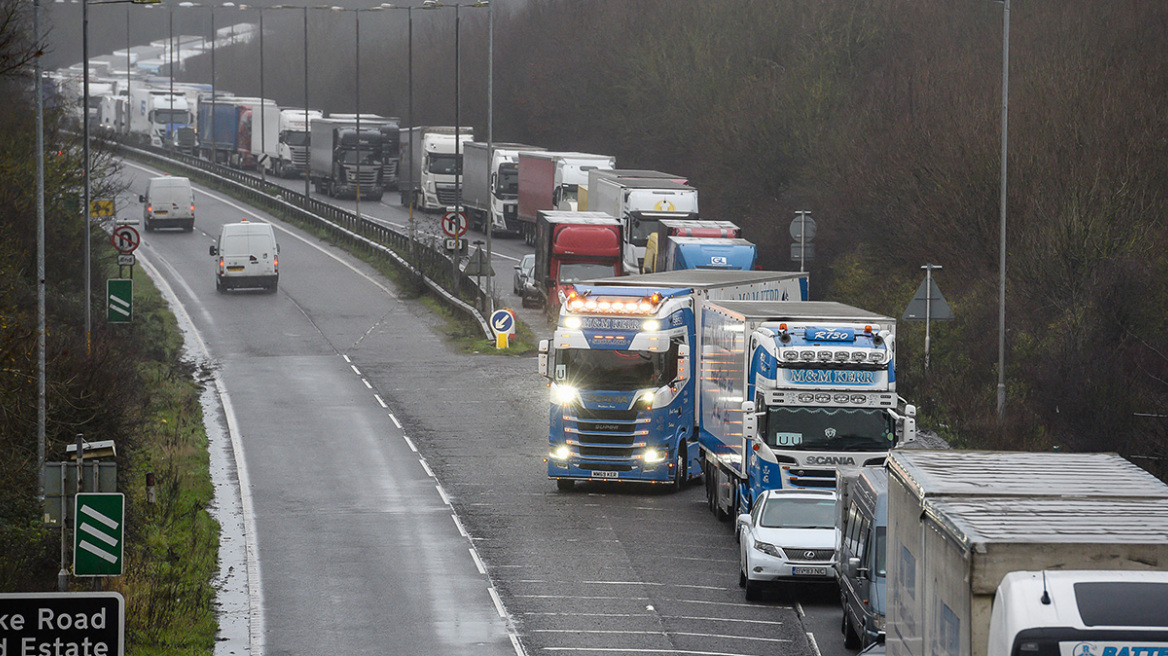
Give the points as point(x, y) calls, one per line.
point(444, 164)
point(168, 116)
point(642, 228)
point(578, 271)
point(508, 181)
point(296, 138)
point(365, 157)
point(829, 429)
point(604, 369)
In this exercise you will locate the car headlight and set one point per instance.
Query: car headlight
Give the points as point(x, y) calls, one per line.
point(768, 549)
point(561, 453)
point(565, 394)
point(653, 455)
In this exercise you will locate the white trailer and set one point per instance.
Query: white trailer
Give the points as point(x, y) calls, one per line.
point(642, 204)
point(995, 553)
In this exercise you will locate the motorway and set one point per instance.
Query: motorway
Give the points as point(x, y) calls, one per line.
point(393, 488)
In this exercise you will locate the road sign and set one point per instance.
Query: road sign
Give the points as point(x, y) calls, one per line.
point(125, 239)
point(126, 259)
point(63, 623)
point(119, 300)
point(503, 321)
point(803, 227)
point(454, 223)
point(101, 208)
point(455, 244)
point(478, 265)
point(928, 303)
point(97, 536)
point(802, 251)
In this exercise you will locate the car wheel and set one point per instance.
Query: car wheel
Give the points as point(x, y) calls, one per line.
point(753, 591)
point(564, 485)
point(741, 579)
point(851, 638)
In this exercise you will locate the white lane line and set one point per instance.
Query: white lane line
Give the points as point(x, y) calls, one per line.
point(381, 402)
point(665, 617)
point(661, 633)
point(478, 562)
point(814, 645)
point(355, 369)
point(619, 650)
point(429, 472)
point(463, 533)
point(346, 358)
point(410, 443)
point(397, 423)
point(442, 493)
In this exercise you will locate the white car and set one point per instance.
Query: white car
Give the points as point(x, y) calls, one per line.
point(790, 535)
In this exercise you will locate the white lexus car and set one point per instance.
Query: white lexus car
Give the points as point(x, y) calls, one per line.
point(790, 535)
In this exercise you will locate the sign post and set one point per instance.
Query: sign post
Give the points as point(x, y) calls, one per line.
point(928, 305)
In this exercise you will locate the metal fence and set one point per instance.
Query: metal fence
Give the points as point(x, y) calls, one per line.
point(433, 267)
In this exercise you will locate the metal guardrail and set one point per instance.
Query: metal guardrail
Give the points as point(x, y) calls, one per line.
point(433, 267)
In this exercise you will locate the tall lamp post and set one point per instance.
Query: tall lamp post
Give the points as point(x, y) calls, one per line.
point(435, 4)
point(409, 108)
point(1002, 203)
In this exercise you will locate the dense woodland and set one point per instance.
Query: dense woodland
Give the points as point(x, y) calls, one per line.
point(882, 118)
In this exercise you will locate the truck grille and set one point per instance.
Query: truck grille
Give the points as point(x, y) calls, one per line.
point(447, 195)
point(299, 157)
point(819, 478)
point(603, 433)
point(389, 170)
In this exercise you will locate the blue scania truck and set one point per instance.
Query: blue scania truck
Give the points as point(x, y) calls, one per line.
point(622, 372)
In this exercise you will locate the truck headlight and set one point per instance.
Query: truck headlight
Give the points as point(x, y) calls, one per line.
point(653, 455)
point(561, 453)
point(565, 394)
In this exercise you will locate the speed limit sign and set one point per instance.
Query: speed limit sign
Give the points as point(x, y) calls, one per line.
point(454, 223)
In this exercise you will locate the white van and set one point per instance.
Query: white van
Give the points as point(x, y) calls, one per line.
point(170, 203)
point(248, 256)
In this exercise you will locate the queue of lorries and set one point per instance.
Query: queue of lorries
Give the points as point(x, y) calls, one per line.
point(674, 359)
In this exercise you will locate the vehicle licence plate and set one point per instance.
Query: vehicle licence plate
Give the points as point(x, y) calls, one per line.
point(810, 571)
point(235, 268)
point(604, 474)
point(160, 213)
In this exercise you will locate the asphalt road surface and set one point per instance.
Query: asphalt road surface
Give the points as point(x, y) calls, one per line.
point(362, 545)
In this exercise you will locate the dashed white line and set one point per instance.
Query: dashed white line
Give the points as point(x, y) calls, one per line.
point(814, 645)
point(429, 472)
point(409, 443)
point(478, 562)
point(396, 422)
point(355, 369)
point(462, 531)
point(498, 603)
point(380, 401)
point(367, 385)
point(442, 493)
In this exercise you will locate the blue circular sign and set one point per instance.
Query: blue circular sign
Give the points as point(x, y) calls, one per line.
point(503, 321)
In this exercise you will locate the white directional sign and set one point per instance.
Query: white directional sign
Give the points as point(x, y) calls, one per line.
point(89, 623)
point(97, 538)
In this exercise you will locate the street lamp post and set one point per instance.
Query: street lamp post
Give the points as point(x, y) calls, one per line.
point(1002, 212)
point(409, 109)
point(435, 4)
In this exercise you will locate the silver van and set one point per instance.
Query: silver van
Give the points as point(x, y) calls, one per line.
point(863, 523)
point(169, 203)
point(247, 255)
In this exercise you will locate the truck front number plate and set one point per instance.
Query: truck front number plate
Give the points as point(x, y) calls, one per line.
point(604, 474)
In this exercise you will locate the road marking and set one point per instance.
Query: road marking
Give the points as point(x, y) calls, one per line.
point(397, 423)
point(463, 533)
point(429, 472)
point(478, 562)
point(382, 403)
point(367, 385)
point(410, 443)
point(814, 645)
point(442, 493)
point(355, 369)
point(647, 651)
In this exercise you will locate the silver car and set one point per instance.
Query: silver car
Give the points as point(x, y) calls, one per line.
point(523, 274)
point(790, 535)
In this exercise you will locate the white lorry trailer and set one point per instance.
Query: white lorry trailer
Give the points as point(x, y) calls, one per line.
point(430, 161)
point(1025, 554)
point(642, 204)
point(490, 186)
point(156, 115)
point(291, 157)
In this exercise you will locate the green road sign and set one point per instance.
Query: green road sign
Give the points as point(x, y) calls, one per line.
point(97, 534)
point(119, 301)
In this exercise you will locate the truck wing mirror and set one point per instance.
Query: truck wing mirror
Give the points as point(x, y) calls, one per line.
point(749, 420)
point(141, 198)
point(543, 358)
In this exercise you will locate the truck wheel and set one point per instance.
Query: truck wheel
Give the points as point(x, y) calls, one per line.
point(565, 485)
point(679, 470)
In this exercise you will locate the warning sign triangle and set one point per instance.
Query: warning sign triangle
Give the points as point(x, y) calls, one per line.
point(928, 300)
